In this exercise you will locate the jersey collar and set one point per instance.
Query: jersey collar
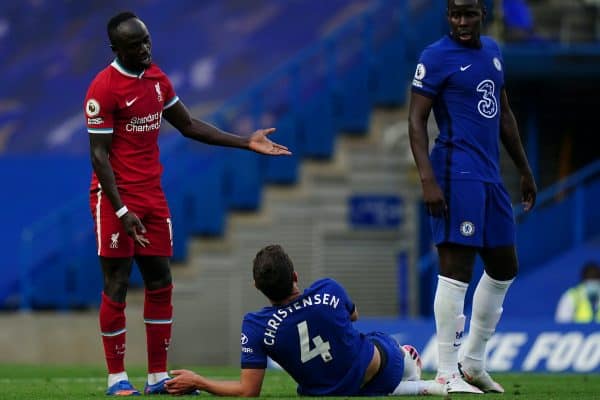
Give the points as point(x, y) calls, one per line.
point(116, 65)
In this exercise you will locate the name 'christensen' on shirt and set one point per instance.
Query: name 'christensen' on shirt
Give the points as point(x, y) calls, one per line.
point(282, 313)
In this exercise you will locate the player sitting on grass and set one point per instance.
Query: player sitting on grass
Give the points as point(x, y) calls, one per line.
point(310, 334)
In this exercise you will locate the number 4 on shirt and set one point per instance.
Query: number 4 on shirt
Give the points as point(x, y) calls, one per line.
point(321, 348)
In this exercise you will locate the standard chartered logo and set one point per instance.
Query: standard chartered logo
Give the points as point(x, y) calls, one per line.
point(148, 123)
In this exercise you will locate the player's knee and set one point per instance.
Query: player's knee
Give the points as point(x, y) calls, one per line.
point(457, 271)
point(503, 272)
point(159, 282)
point(116, 290)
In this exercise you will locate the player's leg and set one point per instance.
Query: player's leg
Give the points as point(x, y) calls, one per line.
point(116, 273)
point(411, 383)
point(501, 265)
point(456, 265)
point(457, 236)
point(500, 270)
point(115, 251)
point(158, 317)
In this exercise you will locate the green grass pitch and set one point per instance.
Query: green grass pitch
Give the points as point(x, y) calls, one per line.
point(84, 382)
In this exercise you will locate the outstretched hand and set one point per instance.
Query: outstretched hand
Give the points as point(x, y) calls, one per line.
point(260, 143)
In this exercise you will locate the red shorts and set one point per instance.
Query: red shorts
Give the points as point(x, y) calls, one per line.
point(150, 205)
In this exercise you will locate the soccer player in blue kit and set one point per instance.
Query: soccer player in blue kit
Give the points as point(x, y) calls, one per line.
point(461, 77)
point(311, 336)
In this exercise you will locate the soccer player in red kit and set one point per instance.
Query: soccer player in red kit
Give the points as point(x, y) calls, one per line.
point(124, 107)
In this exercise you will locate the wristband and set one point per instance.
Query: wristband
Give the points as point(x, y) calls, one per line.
point(122, 211)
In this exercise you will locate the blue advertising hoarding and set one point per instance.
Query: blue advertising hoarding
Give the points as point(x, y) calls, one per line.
point(517, 346)
point(376, 211)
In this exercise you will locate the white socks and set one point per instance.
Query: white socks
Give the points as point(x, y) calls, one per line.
point(487, 308)
point(114, 378)
point(122, 376)
point(156, 377)
point(414, 388)
point(411, 370)
point(449, 322)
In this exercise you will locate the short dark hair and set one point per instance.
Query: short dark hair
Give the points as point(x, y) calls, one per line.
point(273, 272)
point(479, 2)
point(115, 21)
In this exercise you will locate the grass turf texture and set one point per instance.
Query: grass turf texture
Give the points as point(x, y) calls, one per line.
point(83, 382)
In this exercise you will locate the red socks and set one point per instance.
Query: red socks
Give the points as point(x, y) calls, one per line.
point(112, 328)
point(158, 313)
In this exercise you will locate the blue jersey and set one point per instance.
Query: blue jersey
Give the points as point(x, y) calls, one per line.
point(313, 339)
point(465, 85)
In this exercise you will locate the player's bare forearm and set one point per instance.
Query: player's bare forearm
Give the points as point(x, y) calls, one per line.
point(206, 133)
point(227, 388)
point(103, 169)
point(249, 385)
point(179, 116)
point(511, 140)
point(512, 143)
point(420, 107)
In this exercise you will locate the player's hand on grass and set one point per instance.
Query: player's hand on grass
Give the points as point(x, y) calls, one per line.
point(435, 202)
point(528, 191)
point(260, 143)
point(183, 381)
point(134, 228)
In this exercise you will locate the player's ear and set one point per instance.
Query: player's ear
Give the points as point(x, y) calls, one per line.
point(254, 283)
point(295, 277)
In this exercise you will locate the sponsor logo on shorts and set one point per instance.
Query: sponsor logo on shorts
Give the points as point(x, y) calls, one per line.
point(467, 228)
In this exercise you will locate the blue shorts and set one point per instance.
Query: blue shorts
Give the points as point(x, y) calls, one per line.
point(480, 214)
point(392, 366)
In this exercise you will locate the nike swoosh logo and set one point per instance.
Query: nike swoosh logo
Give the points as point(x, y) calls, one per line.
point(130, 102)
point(466, 67)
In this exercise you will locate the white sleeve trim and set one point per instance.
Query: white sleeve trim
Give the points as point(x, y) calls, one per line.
point(100, 131)
point(171, 102)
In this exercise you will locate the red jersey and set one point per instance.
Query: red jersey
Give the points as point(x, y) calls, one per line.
point(129, 106)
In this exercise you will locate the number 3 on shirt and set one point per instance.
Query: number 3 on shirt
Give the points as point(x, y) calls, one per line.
point(321, 348)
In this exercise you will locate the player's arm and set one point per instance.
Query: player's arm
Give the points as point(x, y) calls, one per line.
point(418, 114)
point(509, 135)
point(249, 385)
point(179, 116)
point(100, 145)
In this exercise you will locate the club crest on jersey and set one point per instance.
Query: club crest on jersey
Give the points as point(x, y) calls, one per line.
point(467, 228)
point(244, 338)
point(497, 64)
point(92, 108)
point(157, 87)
